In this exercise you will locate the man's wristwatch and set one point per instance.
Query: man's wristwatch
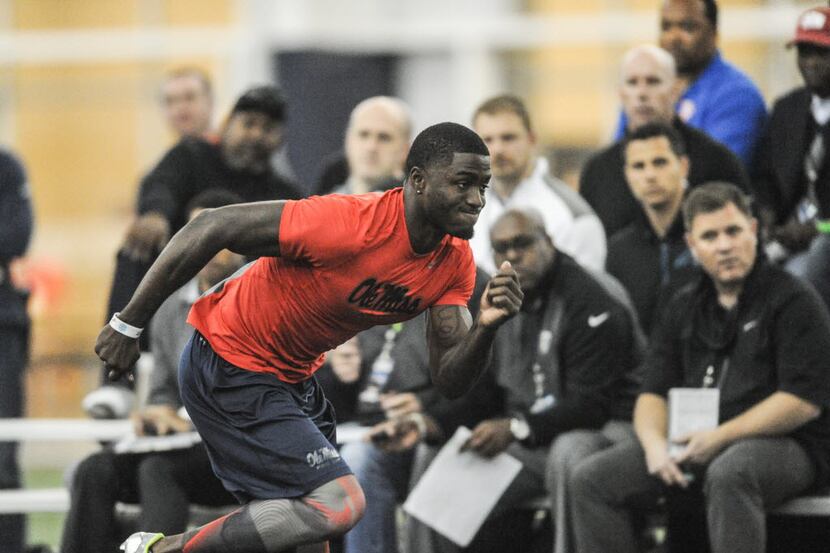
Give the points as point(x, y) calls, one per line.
point(519, 428)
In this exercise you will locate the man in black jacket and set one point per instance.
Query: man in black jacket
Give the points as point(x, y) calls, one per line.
point(238, 162)
point(792, 179)
point(566, 365)
point(757, 338)
point(649, 256)
point(648, 90)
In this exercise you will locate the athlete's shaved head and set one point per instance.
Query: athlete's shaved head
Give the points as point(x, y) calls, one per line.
point(437, 144)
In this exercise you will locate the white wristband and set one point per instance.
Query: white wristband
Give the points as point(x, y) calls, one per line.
point(123, 328)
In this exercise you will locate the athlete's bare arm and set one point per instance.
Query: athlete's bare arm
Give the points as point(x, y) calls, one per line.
point(248, 229)
point(459, 349)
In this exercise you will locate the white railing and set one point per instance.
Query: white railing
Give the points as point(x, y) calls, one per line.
point(57, 499)
point(63, 430)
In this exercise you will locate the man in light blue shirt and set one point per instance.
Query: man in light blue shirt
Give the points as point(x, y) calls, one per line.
point(717, 97)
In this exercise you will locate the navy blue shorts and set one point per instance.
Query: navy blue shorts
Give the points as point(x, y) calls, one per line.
point(267, 439)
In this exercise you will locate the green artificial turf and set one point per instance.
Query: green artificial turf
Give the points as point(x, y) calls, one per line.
point(44, 528)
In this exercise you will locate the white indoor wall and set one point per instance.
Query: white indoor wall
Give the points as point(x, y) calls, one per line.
point(452, 51)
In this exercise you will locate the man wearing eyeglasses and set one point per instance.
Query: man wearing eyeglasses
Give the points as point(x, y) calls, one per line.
point(565, 365)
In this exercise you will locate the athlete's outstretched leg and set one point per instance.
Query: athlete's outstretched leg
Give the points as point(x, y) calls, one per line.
point(275, 525)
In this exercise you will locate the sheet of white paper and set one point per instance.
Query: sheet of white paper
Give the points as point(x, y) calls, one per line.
point(690, 410)
point(348, 432)
point(459, 490)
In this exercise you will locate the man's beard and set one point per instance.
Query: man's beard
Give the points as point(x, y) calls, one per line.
point(250, 159)
point(510, 176)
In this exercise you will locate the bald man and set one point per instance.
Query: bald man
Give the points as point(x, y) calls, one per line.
point(377, 141)
point(715, 96)
point(648, 91)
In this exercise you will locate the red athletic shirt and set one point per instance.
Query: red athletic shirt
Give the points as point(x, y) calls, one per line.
point(345, 265)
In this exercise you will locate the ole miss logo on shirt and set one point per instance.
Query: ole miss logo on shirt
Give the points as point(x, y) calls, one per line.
point(384, 296)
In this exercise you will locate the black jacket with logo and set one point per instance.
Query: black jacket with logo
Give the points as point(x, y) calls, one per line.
point(594, 350)
point(776, 338)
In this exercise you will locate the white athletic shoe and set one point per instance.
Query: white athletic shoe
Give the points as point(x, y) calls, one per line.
point(109, 402)
point(140, 542)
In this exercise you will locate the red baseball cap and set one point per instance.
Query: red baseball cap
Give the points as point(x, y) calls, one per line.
point(813, 28)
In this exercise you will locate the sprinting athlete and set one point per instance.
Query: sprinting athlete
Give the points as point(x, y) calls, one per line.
point(330, 266)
